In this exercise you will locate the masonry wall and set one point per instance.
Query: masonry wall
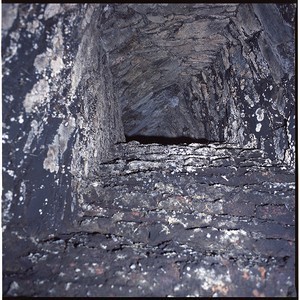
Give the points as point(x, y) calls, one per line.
point(60, 115)
point(69, 85)
point(86, 214)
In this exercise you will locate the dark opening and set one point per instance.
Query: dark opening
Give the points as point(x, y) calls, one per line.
point(166, 140)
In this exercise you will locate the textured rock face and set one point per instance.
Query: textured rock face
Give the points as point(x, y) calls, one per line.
point(78, 79)
point(173, 220)
point(60, 114)
point(216, 72)
point(166, 47)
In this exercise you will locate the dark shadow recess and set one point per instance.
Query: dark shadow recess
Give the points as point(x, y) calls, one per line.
point(166, 140)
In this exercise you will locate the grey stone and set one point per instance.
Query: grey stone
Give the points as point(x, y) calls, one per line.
point(148, 150)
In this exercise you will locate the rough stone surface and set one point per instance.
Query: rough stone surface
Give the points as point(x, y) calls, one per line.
point(206, 71)
point(157, 220)
point(60, 115)
point(207, 209)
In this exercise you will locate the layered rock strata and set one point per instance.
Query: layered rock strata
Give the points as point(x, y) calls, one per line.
point(188, 220)
point(210, 219)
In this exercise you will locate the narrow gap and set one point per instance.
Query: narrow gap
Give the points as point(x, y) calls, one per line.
point(163, 140)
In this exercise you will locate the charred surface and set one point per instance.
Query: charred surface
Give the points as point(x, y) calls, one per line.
point(148, 149)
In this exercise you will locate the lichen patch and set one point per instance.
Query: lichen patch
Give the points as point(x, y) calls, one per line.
point(37, 96)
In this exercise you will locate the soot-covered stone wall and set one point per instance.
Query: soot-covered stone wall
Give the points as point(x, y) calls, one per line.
point(60, 114)
point(77, 78)
point(206, 71)
point(148, 150)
